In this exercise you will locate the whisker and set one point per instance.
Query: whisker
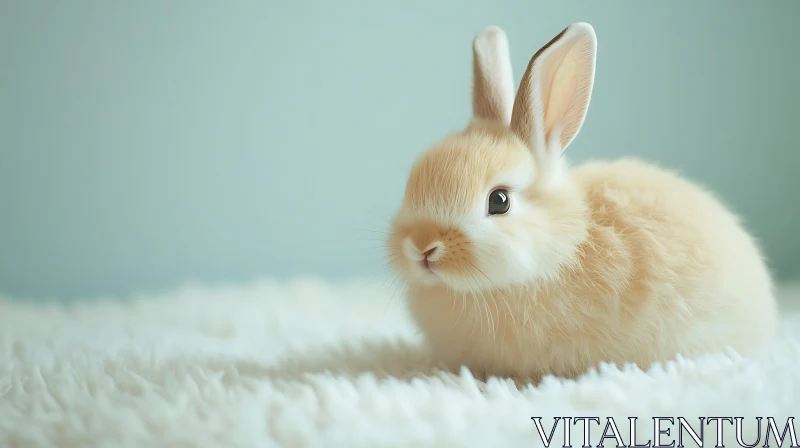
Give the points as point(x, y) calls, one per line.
point(392, 296)
point(392, 275)
point(463, 299)
point(465, 272)
point(382, 232)
point(490, 316)
point(483, 302)
point(373, 250)
point(389, 271)
point(508, 307)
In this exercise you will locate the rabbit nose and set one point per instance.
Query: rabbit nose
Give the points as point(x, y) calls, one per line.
point(432, 252)
point(429, 253)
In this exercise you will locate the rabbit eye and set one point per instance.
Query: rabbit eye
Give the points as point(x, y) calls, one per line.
point(499, 202)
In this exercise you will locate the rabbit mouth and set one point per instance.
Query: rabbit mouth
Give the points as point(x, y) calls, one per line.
point(427, 267)
point(425, 264)
point(426, 272)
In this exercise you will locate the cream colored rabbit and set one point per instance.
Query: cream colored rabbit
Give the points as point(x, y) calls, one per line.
point(517, 265)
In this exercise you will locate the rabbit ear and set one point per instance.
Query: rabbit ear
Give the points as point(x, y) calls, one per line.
point(493, 83)
point(555, 90)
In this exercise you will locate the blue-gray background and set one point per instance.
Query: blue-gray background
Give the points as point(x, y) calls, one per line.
point(145, 144)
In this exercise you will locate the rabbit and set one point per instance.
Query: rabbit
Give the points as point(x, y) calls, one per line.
point(517, 265)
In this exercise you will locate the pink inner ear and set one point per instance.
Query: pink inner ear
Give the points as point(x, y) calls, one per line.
point(566, 86)
point(554, 93)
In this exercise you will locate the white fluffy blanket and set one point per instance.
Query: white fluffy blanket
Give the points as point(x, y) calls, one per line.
point(307, 363)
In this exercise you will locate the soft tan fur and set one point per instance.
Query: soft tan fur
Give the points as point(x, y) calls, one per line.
point(618, 262)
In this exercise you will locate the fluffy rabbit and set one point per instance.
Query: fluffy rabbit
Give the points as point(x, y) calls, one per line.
point(517, 265)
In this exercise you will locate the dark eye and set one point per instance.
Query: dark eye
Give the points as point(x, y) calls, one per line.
point(499, 202)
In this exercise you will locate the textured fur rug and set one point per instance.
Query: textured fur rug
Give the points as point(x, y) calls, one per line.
point(307, 363)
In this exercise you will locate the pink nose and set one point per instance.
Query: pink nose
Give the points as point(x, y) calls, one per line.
point(429, 253)
point(425, 255)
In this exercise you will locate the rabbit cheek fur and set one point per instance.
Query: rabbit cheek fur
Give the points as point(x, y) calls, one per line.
point(619, 262)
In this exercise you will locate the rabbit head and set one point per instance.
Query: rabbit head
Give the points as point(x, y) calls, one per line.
point(492, 205)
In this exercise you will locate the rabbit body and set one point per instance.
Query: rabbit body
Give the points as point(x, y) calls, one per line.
point(661, 269)
point(517, 265)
